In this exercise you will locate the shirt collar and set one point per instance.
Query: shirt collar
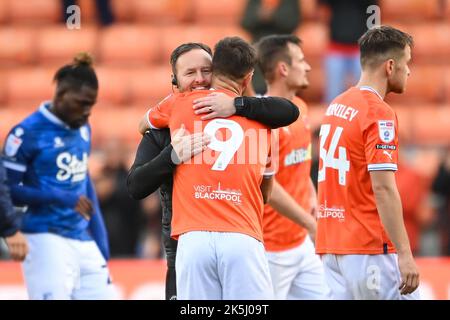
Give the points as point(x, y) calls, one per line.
point(44, 109)
point(369, 88)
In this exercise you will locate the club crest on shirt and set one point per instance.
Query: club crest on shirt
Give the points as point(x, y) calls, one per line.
point(386, 130)
point(84, 132)
point(13, 143)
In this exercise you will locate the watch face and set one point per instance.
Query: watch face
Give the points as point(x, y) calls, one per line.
point(239, 102)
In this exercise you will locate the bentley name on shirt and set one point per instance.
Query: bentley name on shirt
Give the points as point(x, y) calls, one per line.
point(341, 111)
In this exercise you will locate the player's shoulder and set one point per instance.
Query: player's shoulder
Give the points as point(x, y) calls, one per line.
point(378, 109)
point(27, 125)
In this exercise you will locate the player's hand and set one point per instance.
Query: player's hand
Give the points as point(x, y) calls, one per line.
point(84, 207)
point(186, 146)
point(216, 105)
point(18, 247)
point(409, 273)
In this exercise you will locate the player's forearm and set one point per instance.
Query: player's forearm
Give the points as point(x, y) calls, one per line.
point(24, 195)
point(282, 202)
point(274, 112)
point(390, 210)
point(266, 188)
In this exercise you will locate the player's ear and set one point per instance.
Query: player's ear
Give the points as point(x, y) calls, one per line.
point(282, 68)
point(389, 67)
point(247, 79)
point(174, 80)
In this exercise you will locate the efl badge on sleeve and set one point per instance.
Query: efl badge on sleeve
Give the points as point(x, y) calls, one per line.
point(12, 145)
point(386, 130)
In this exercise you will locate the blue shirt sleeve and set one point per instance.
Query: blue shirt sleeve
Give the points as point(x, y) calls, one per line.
point(96, 224)
point(19, 150)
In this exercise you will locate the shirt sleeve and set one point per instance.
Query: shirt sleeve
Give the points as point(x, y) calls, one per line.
point(274, 112)
point(9, 223)
point(381, 139)
point(19, 148)
point(152, 166)
point(158, 117)
point(19, 151)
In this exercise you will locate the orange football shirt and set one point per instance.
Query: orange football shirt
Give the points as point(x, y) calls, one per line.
point(359, 133)
point(281, 233)
point(219, 189)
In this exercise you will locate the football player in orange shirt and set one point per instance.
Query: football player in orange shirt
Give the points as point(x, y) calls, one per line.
point(360, 211)
point(296, 271)
point(218, 196)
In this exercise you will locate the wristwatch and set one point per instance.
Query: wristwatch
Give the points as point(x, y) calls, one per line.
point(239, 105)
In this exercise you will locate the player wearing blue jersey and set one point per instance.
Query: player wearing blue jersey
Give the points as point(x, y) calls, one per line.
point(46, 157)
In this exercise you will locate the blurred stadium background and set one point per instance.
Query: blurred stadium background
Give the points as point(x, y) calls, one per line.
point(132, 62)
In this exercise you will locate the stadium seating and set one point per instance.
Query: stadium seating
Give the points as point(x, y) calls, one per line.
point(56, 45)
point(410, 10)
point(156, 12)
point(130, 45)
point(315, 39)
point(4, 12)
point(116, 123)
point(431, 41)
point(113, 84)
point(219, 11)
point(431, 125)
point(29, 85)
point(17, 46)
point(425, 85)
point(173, 36)
point(34, 12)
point(149, 84)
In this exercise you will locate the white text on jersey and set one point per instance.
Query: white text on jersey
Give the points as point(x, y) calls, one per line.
point(341, 111)
point(71, 167)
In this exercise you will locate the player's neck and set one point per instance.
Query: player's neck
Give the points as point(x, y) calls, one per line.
point(226, 84)
point(376, 83)
point(279, 89)
point(54, 110)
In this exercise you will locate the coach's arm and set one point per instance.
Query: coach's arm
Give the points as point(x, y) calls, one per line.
point(274, 112)
point(157, 156)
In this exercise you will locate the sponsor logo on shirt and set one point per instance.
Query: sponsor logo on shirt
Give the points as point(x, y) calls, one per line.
point(386, 130)
point(207, 192)
point(84, 133)
point(297, 156)
point(71, 167)
point(331, 213)
point(58, 142)
point(385, 147)
point(389, 154)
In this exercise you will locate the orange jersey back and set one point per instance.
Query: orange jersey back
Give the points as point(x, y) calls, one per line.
point(359, 134)
point(280, 233)
point(219, 189)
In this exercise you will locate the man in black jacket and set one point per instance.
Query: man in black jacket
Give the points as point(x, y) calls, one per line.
point(9, 224)
point(153, 165)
